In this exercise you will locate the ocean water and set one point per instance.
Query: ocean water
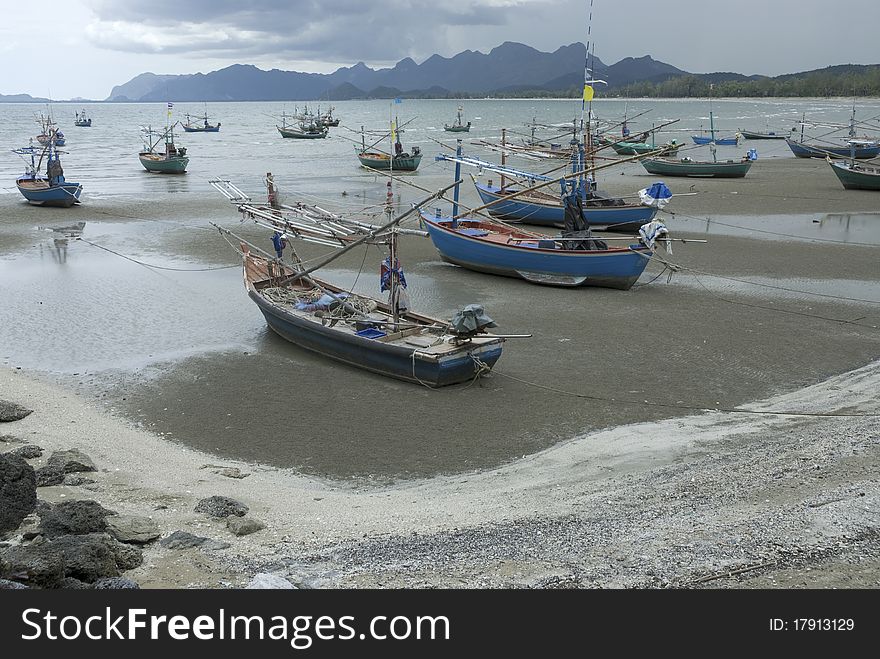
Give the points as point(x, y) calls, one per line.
point(147, 314)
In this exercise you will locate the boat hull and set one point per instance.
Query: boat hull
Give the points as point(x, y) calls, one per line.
point(175, 165)
point(725, 141)
point(626, 217)
point(389, 360)
point(696, 168)
point(857, 177)
point(298, 134)
point(809, 151)
point(618, 268)
point(457, 129)
point(749, 135)
point(209, 129)
point(39, 193)
point(399, 164)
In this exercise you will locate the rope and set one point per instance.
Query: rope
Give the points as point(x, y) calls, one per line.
point(693, 408)
point(156, 267)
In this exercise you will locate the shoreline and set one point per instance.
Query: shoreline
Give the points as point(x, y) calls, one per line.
point(325, 533)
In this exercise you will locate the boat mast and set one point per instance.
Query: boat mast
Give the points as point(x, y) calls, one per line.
point(504, 154)
point(392, 257)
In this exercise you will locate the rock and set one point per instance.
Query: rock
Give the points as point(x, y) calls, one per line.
point(87, 557)
point(10, 411)
point(43, 507)
point(244, 525)
point(71, 461)
point(49, 475)
point(18, 491)
point(266, 581)
point(229, 472)
point(184, 540)
point(115, 583)
point(28, 451)
point(75, 518)
point(72, 480)
point(5, 584)
point(131, 528)
point(218, 506)
point(70, 583)
point(37, 565)
point(127, 556)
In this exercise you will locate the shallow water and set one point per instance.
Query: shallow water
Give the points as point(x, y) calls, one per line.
point(160, 330)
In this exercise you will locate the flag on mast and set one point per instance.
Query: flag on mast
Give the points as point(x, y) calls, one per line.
point(588, 93)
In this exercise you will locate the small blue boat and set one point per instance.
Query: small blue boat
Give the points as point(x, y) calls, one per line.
point(51, 190)
point(723, 141)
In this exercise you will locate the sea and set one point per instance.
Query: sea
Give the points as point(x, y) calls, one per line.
point(144, 311)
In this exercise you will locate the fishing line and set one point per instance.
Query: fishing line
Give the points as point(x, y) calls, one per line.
point(693, 408)
point(156, 267)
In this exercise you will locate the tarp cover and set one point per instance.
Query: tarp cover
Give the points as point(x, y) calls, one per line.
point(471, 319)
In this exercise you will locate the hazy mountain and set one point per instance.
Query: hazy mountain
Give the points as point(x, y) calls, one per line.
point(22, 98)
point(139, 86)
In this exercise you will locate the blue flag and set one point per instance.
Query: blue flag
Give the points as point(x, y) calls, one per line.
point(397, 100)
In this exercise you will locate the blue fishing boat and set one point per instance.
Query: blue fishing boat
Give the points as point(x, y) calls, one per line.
point(384, 337)
point(51, 189)
point(858, 149)
point(711, 139)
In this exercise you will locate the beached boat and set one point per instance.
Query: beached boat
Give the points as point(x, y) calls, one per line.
point(82, 120)
point(173, 160)
point(858, 149)
point(384, 337)
point(856, 175)
point(711, 139)
point(49, 190)
point(771, 135)
point(375, 158)
point(698, 168)
point(640, 148)
point(199, 124)
point(457, 126)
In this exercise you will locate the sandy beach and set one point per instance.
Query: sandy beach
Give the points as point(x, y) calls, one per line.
point(608, 452)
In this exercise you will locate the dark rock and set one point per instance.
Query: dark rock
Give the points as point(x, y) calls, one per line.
point(87, 557)
point(115, 583)
point(184, 540)
point(71, 461)
point(37, 565)
point(218, 506)
point(70, 583)
point(130, 528)
point(10, 411)
point(127, 557)
point(72, 480)
point(244, 525)
point(18, 491)
point(5, 584)
point(28, 451)
point(49, 475)
point(75, 518)
point(43, 507)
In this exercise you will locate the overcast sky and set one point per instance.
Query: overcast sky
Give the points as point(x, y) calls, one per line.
point(81, 48)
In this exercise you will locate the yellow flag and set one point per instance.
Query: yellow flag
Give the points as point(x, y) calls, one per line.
point(393, 131)
point(588, 93)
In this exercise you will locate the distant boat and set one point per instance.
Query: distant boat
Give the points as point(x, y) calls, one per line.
point(304, 130)
point(640, 148)
point(327, 118)
point(753, 135)
point(49, 190)
point(82, 120)
point(49, 132)
point(173, 160)
point(698, 168)
point(401, 161)
point(856, 175)
point(457, 126)
point(200, 125)
point(711, 139)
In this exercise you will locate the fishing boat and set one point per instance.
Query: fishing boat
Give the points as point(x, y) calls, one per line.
point(711, 139)
point(82, 120)
point(375, 158)
point(457, 126)
point(49, 190)
point(49, 132)
point(303, 130)
point(856, 175)
point(699, 168)
point(173, 160)
point(513, 201)
point(327, 118)
point(382, 336)
point(199, 124)
point(641, 148)
point(771, 135)
point(864, 148)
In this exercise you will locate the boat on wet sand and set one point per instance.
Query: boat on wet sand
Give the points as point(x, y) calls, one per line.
point(856, 175)
point(49, 190)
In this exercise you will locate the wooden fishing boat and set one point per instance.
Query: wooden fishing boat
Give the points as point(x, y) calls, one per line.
point(856, 175)
point(641, 148)
point(82, 120)
point(383, 337)
point(49, 132)
point(49, 190)
point(199, 124)
point(303, 130)
point(771, 135)
point(711, 139)
point(457, 126)
point(173, 160)
point(698, 168)
point(858, 149)
point(327, 118)
point(401, 161)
